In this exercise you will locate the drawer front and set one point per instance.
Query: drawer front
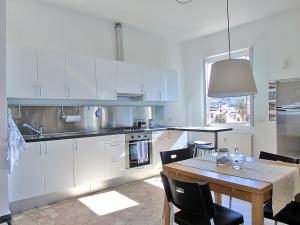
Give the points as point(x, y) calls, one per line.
point(164, 134)
point(114, 138)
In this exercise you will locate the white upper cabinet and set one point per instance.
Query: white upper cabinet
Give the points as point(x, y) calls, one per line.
point(154, 84)
point(58, 164)
point(81, 77)
point(35, 73)
point(27, 178)
point(88, 160)
point(51, 74)
point(172, 88)
point(106, 79)
point(21, 72)
point(129, 78)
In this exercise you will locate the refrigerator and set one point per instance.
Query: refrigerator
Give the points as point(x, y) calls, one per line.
point(288, 117)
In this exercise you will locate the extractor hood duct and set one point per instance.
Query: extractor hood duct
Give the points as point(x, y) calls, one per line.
point(119, 41)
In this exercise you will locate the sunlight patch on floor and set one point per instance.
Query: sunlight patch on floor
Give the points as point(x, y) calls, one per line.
point(156, 181)
point(107, 202)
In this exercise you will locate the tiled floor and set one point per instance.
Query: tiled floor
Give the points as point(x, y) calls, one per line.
point(144, 202)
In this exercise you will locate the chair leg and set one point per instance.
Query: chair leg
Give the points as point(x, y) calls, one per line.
point(171, 214)
point(276, 222)
point(230, 202)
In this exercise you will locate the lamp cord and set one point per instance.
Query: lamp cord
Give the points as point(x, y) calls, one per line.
point(228, 31)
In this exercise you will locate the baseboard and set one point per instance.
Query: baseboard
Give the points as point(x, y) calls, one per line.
point(5, 218)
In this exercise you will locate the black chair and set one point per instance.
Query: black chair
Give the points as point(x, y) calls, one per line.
point(196, 204)
point(291, 213)
point(275, 157)
point(176, 155)
point(202, 146)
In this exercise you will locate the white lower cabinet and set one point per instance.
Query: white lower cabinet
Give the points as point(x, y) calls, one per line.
point(166, 141)
point(88, 160)
point(27, 179)
point(114, 160)
point(58, 165)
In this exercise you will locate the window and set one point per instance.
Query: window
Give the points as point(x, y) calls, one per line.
point(228, 110)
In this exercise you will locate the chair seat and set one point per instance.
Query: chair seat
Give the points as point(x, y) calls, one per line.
point(289, 215)
point(202, 143)
point(223, 216)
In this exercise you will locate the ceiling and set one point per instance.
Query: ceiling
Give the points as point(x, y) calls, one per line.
point(181, 22)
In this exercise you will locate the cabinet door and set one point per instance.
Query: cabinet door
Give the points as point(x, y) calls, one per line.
point(27, 178)
point(51, 74)
point(58, 165)
point(114, 160)
point(178, 139)
point(129, 78)
point(88, 160)
point(21, 72)
point(154, 83)
point(81, 77)
point(106, 79)
point(171, 76)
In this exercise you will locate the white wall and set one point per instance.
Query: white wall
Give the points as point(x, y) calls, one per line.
point(273, 40)
point(35, 24)
point(3, 127)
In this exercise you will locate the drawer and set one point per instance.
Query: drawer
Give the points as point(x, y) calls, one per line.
point(114, 138)
point(163, 134)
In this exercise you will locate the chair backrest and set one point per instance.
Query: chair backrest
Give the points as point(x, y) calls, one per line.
point(166, 185)
point(176, 155)
point(275, 157)
point(193, 198)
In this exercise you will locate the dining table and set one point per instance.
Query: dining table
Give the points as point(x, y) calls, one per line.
point(254, 191)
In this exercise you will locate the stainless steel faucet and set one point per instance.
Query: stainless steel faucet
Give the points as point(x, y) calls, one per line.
point(38, 131)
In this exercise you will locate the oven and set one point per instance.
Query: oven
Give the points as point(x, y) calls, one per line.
point(138, 149)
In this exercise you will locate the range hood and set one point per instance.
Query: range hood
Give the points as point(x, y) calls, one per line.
point(130, 97)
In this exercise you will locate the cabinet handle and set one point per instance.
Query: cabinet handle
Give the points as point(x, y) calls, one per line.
point(145, 95)
point(40, 149)
point(35, 90)
point(116, 94)
point(160, 95)
point(76, 145)
point(46, 149)
point(41, 90)
point(68, 92)
point(117, 159)
point(114, 144)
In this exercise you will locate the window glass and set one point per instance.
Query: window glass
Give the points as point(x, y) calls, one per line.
point(227, 110)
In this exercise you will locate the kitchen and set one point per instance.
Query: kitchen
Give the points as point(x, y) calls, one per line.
point(73, 69)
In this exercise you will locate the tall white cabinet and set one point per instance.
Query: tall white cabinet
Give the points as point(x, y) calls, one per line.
point(58, 165)
point(27, 179)
point(51, 74)
point(106, 79)
point(88, 160)
point(21, 72)
point(80, 77)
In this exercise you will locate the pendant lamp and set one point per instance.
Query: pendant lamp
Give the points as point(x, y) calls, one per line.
point(231, 77)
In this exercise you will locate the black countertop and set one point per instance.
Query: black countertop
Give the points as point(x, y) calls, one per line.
point(72, 135)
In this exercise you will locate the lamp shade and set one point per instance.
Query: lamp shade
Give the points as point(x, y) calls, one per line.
point(230, 78)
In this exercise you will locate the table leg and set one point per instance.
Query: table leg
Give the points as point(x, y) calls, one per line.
point(167, 211)
point(257, 209)
point(216, 140)
point(218, 198)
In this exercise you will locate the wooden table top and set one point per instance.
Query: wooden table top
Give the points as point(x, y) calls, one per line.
point(234, 182)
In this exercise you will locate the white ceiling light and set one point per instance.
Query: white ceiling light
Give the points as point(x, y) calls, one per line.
point(231, 77)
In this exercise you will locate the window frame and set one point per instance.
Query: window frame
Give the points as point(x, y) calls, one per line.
point(219, 57)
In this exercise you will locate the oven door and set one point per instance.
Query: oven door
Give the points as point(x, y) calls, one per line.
point(139, 153)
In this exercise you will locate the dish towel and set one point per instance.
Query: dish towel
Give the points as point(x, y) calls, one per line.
point(15, 142)
point(142, 152)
